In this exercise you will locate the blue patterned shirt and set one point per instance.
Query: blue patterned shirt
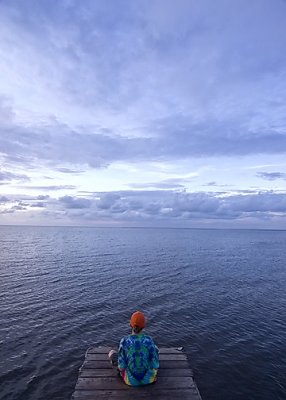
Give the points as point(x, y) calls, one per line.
point(138, 359)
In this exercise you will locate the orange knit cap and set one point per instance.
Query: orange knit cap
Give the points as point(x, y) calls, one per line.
point(137, 319)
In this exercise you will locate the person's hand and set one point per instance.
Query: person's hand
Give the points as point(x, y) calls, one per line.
point(110, 354)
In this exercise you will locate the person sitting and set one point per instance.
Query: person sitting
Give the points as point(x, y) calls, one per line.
point(137, 359)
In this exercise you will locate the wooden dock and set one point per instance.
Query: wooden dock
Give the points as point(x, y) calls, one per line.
point(97, 379)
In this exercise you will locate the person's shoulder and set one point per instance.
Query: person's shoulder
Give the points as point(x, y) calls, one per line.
point(123, 339)
point(148, 339)
point(126, 339)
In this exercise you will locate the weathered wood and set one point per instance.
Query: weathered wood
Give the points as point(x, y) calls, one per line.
point(105, 350)
point(163, 364)
point(163, 357)
point(137, 393)
point(101, 349)
point(112, 383)
point(91, 373)
point(99, 381)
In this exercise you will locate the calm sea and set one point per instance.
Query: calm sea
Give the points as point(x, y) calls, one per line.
point(221, 294)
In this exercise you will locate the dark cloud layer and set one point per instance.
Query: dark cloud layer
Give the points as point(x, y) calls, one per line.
point(271, 176)
point(74, 203)
point(168, 205)
point(156, 206)
point(41, 145)
point(174, 65)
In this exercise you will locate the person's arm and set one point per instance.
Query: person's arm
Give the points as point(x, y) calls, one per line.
point(122, 362)
point(154, 356)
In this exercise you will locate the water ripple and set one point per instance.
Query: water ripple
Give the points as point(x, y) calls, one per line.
point(220, 294)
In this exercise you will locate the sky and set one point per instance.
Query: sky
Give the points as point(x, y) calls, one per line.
point(162, 113)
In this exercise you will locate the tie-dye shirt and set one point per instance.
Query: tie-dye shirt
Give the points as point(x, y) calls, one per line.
point(138, 359)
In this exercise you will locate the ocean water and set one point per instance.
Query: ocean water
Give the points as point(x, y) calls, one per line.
point(221, 294)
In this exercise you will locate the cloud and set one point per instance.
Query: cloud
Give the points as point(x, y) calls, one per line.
point(216, 184)
point(171, 183)
point(180, 138)
point(160, 205)
point(6, 176)
point(110, 85)
point(59, 143)
point(13, 208)
point(107, 200)
point(74, 203)
point(38, 205)
point(68, 170)
point(49, 187)
point(174, 140)
point(3, 199)
point(6, 110)
point(271, 176)
point(170, 70)
point(24, 202)
point(153, 208)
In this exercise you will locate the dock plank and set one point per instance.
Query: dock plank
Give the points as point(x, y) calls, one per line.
point(163, 357)
point(163, 364)
point(97, 379)
point(90, 373)
point(106, 349)
point(112, 383)
point(137, 393)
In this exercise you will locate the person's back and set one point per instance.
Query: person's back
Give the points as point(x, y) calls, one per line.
point(138, 356)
